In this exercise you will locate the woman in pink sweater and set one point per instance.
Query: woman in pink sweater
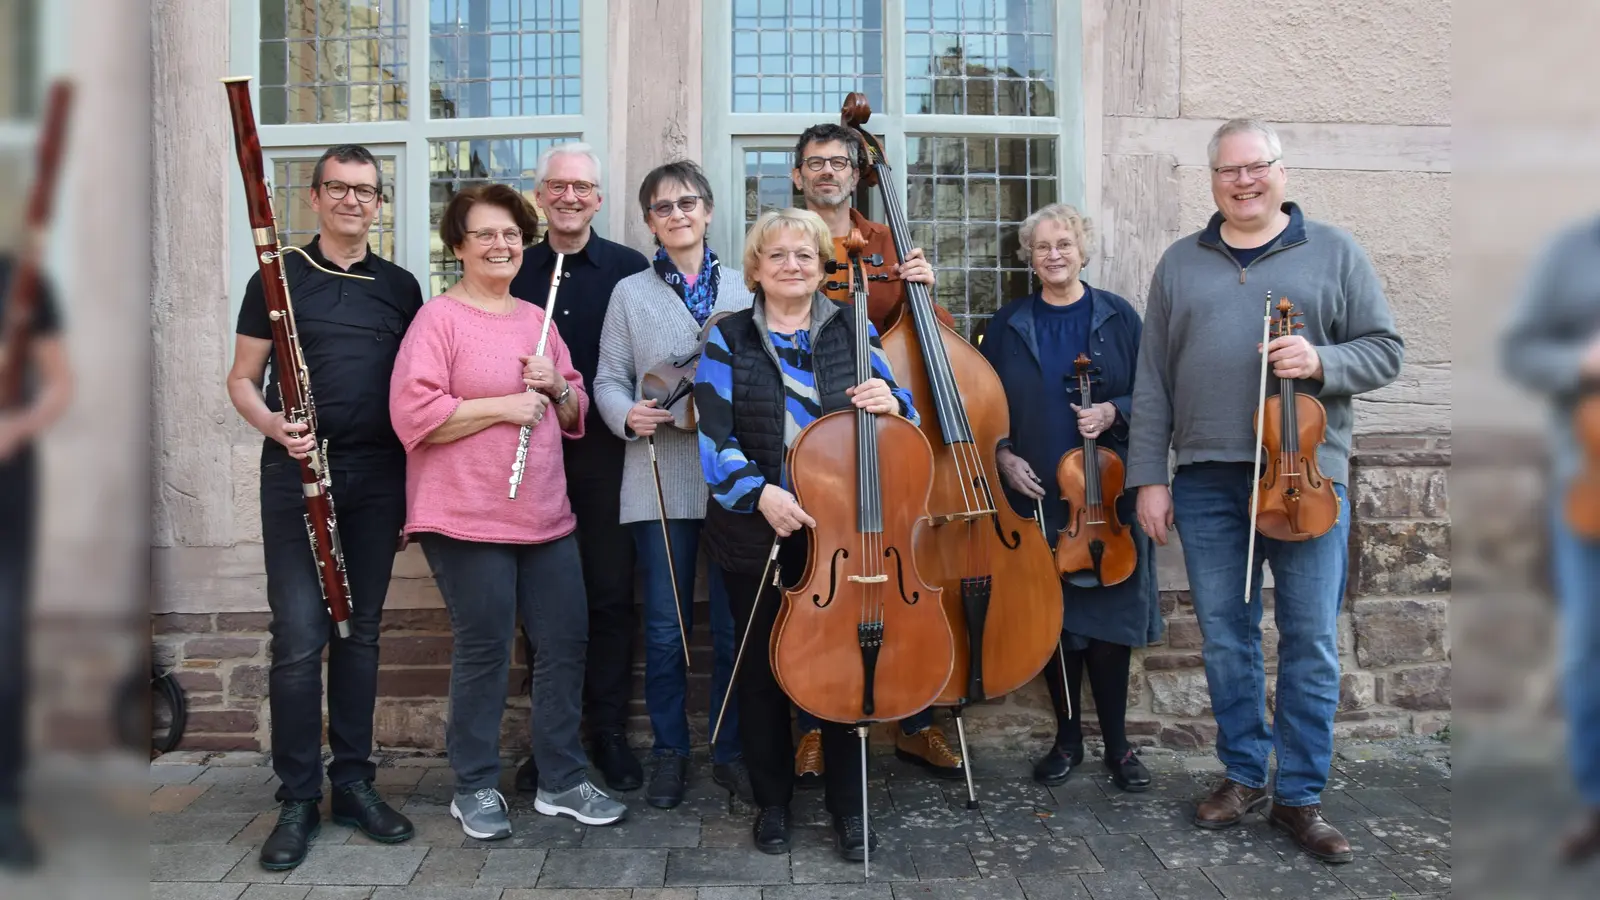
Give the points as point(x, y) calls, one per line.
point(465, 382)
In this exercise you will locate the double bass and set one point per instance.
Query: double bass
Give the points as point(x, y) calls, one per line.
point(1002, 595)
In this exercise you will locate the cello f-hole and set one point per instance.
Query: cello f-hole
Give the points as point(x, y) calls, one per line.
point(900, 576)
point(833, 580)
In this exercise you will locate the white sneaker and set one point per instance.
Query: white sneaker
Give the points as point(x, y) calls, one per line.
point(482, 814)
point(584, 802)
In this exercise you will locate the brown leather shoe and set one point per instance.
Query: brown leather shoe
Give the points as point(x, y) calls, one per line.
point(808, 759)
point(929, 749)
point(1584, 842)
point(1228, 804)
point(1314, 835)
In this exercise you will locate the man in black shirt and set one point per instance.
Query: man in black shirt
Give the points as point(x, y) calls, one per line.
point(349, 331)
point(47, 389)
point(569, 194)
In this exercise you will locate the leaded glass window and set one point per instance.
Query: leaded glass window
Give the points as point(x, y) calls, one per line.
point(453, 165)
point(767, 184)
point(505, 58)
point(981, 57)
point(805, 55)
point(333, 61)
point(297, 222)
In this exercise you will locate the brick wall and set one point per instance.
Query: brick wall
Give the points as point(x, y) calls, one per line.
point(1393, 644)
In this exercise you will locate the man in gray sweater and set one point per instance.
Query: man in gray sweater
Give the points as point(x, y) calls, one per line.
point(1195, 393)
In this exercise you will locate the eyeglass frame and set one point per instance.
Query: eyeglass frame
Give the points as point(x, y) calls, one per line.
point(1240, 170)
point(692, 199)
point(503, 233)
point(818, 163)
point(1057, 247)
point(582, 193)
point(772, 256)
point(338, 190)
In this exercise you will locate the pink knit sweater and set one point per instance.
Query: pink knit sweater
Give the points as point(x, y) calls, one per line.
point(455, 352)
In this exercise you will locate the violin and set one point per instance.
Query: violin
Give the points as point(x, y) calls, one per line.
point(671, 382)
point(1582, 510)
point(1002, 595)
point(1296, 501)
point(862, 637)
point(1094, 548)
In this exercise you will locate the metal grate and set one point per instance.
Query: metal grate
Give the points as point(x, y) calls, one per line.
point(505, 58)
point(297, 222)
point(965, 197)
point(767, 184)
point(805, 55)
point(452, 165)
point(333, 61)
point(981, 57)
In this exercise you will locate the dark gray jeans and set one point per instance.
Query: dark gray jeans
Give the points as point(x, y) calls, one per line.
point(485, 587)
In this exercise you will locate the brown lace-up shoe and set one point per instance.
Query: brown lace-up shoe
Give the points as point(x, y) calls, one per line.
point(808, 759)
point(1228, 804)
point(1314, 835)
point(929, 749)
point(1584, 841)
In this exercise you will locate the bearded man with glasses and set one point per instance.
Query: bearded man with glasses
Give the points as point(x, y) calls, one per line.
point(350, 331)
point(569, 193)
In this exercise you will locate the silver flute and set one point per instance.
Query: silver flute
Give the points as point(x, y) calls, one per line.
point(521, 462)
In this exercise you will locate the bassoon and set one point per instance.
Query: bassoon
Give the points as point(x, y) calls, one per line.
point(294, 377)
point(22, 295)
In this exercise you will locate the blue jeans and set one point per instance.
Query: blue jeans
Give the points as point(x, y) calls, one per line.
point(1211, 504)
point(908, 726)
point(1577, 580)
point(666, 682)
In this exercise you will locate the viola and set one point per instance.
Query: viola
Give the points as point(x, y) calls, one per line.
point(671, 382)
point(1094, 548)
point(1001, 592)
point(1582, 508)
point(1296, 501)
point(862, 637)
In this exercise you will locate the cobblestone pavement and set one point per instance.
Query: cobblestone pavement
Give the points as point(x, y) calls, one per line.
point(1084, 840)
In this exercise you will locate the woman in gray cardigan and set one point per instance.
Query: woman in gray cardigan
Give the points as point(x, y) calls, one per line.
point(655, 315)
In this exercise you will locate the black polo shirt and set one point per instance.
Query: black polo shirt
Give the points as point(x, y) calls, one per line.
point(350, 333)
point(46, 319)
point(588, 278)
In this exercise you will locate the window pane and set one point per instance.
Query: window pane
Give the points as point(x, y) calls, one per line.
point(19, 86)
point(297, 223)
point(806, 56)
point(333, 61)
point(980, 57)
point(965, 198)
point(505, 58)
point(452, 165)
point(767, 184)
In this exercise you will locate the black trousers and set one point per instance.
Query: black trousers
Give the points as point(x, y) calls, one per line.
point(764, 708)
point(370, 508)
point(606, 546)
point(18, 510)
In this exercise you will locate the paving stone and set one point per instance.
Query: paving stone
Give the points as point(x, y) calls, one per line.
point(193, 863)
point(1021, 823)
point(1118, 886)
point(1073, 820)
point(710, 867)
point(1122, 852)
point(531, 831)
point(340, 893)
point(1177, 786)
point(1365, 753)
point(230, 798)
point(1079, 789)
point(648, 828)
point(236, 776)
point(1127, 817)
point(192, 890)
point(1339, 807)
point(828, 892)
point(435, 893)
point(512, 868)
point(822, 865)
point(256, 830)
point(432, 831)
point(1424, 872)
point(722, 892)
point(358, 865)
point(399, 776)
point(174, 798)
point(275, 892)
point(724, 832)
point(249, 871)
point(1385, 803)
point(1046, 857)
point(1418, 834)
point(1205, 765)
point(1389, 774)
point(943, 862)
point(670, 893)
point(921, 825)
point(1193, 847)
point(174, 774)
point(196, 828)
point(1434, 801)
point(1059, 887)
point(604, 868)
point(574, 894)
point(1181, 884)
point(984, 889)
point(450, 867)
point(1271, 882)
point(1366, 876)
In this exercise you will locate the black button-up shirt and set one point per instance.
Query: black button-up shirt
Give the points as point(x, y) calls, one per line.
point(350, 332)
point(588, 278)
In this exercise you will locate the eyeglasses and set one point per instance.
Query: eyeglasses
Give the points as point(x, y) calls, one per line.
point(803, 257)
point(1256, 170)
point(686, 203)
point(485, 238)
point(338, 189)
point(837, 163)
point(580, 189)
point(1062, 247)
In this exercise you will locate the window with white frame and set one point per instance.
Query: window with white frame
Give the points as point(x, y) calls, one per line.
point(974, 100)
point(20, 92)
point(445, 93)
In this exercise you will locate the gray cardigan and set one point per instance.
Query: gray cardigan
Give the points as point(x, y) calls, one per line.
point(1198, 377)
point(647, 323)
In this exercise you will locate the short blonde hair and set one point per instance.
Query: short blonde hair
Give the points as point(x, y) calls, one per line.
point(804, 221)
point(1082, 229)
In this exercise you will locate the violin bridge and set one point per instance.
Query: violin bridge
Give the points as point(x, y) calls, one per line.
point(867, 579)
point(963, 516)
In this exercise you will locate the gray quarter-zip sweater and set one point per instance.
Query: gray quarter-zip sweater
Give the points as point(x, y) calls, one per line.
point(1199, 373)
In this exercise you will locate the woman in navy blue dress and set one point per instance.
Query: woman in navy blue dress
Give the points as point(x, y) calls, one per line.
point(1032, 343)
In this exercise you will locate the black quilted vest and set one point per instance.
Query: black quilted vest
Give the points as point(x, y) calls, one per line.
point(740, 542)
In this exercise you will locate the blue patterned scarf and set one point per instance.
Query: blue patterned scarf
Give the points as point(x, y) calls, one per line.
point(702, 295)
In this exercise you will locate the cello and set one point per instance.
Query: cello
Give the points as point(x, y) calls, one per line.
point(1002, 595)
point(862, 636)
point(1094, 548)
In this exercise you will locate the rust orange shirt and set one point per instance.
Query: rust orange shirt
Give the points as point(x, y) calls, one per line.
point(883, 297)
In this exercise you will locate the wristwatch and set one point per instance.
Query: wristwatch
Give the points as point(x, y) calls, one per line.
point(566, 392)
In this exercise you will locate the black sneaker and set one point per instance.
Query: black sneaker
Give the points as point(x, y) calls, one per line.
point(18, 852)
point(617, 762)
point(850, 834)
point(734, 777)
point(299, 821)
point(771, 830)
point(669, 775)
point(1128, 772)
point(359, 806)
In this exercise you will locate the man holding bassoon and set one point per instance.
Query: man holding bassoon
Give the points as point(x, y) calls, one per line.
point(349, 330)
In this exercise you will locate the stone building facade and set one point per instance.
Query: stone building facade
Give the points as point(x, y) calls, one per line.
point(1360, 92)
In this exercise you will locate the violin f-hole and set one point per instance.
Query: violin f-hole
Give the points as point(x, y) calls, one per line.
point(833, 580)
point(900, 576)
